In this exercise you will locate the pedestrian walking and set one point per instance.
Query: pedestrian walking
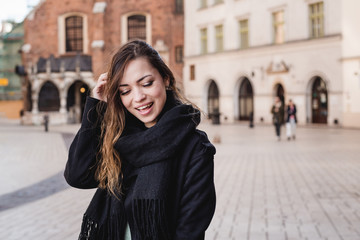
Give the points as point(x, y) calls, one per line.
point(46, 122)
point(139, 145)
point(277, 111)
point(291, 121)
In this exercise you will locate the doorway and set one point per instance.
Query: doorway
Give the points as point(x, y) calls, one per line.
point(319, 101)
point(246, 103)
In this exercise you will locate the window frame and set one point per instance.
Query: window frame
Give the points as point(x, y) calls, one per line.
point(124, 26)
point(179, 6)
point(72, 28)
point(219, 38)
point(203, 4)
point(218, 2)
point(192, 72)
point(138, 27)
point(203, 40)
point(62, 33)
point(179, 54)
point(243, 33)
point(278, 27)
point(316, 30)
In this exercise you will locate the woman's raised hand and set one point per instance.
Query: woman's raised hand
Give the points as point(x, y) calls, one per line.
point(98, 91)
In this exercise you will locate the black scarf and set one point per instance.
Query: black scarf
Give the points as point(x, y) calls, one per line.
point(150, 151)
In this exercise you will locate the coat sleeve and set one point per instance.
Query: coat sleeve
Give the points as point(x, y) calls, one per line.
point(81, 165)
point(197, 204)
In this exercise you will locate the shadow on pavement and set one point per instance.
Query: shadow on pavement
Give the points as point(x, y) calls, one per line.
point(42, 189)
point(39, 190)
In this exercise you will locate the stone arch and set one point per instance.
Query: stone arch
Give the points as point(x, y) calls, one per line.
point(317, 100)
point(311, 79)
point(244, 98)
point(279, 91)
point(75, 101)
point(49, 97)
point(212, 97)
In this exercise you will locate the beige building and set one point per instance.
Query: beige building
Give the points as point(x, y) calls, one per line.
point(240, 54)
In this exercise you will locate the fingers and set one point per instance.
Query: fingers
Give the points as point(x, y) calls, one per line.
point(103, 77)
point(98, 91)
point(100, 84)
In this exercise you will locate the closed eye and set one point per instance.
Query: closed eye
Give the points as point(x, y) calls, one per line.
point(148, 84)
point(124, 92)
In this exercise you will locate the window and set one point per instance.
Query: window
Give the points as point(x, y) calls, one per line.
point(219, 38)
point(316, 14)
point(218, 1)
point(203, 3)
point(192, 72)
point(203, 34)
point(179, 54)
point(244, 33)
point(137, 27)
point(179, 6)
point(74, 34)
point(278, 27)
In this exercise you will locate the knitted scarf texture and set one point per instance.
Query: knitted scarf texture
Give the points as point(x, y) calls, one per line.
point(151, 152)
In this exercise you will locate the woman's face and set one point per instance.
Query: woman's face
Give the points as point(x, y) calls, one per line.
point(143, 91)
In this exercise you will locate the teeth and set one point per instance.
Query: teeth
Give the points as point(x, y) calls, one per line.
point(143, 107)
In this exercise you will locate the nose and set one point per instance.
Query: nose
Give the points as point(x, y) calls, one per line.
point(139, 95)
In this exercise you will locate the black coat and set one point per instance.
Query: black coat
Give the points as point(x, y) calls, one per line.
point(191, 191)
point(291, 112)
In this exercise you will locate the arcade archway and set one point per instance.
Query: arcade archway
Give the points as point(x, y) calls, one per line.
point(49, 99)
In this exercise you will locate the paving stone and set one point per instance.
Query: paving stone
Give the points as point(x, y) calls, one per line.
point(287, 190)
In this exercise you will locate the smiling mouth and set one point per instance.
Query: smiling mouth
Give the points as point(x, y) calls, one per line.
point(144, 107)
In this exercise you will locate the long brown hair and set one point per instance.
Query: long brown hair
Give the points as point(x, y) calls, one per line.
point(109, 172)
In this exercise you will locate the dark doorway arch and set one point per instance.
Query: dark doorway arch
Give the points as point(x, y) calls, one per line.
point(49, 98)
point(213, 98)
point(76, 98)
point(279, 92)
point(319, 101)
point(246, 100)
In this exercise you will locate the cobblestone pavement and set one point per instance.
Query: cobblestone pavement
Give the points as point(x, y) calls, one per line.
point(303, 189)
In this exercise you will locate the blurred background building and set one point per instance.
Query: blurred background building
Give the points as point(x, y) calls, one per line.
point(11, 40)
point(67, 44)
point(240, 54)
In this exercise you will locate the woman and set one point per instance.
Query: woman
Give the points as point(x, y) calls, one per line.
point(277, 111)
point(138, 144)
point(291, 121)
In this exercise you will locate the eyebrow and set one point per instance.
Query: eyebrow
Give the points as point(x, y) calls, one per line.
point(139, 80)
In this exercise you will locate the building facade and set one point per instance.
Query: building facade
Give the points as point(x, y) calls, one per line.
point(240, 54)
point(68, 44)
point(11, 40)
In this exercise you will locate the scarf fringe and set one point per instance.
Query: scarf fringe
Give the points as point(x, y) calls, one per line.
point(89, 229)
point(112, 229)
point(150, 219)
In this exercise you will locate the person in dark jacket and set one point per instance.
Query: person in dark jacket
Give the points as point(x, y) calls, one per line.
point(277, 111)
point(139, 145)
